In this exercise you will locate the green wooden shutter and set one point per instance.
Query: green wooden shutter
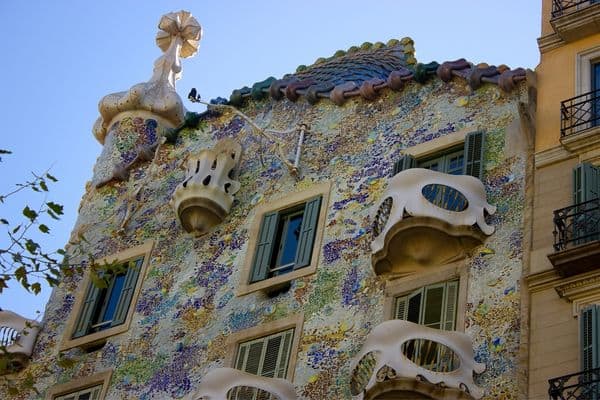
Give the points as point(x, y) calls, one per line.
point(450, 306)
point(86, 314)
point(474, 143)
point(264, 248)
point(585, 182)
point(131, 278)
point(589, 329)
point(284, 358)
point(271, 356)
point(406, 161)
point(401, 307)
point(308, 231)
point(253, 360)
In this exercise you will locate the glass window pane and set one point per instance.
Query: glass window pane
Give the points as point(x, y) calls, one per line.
point(414, 308)
point(433, 307)
point(290, 237)
point(455, 164)
point(113, 298)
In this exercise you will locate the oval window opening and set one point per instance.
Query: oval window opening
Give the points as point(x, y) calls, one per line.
point(445, 197)
point(431, 355)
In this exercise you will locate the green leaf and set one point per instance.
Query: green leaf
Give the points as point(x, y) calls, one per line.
point(16, 229)
point(3, 221)
point(43, 186)
point(3, 151)
point(36, 288)
point(51, 281)
point(29, 213)
point(53, 179)
point(44, 228)
point(31, 246)
point(56, 208)
point(20, 273)
point(97, 281)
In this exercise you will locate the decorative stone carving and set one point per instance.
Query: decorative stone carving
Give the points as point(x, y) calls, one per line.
point(204, 198)
point(218, 382)
point(179, 36)
point(443, 210)
point(382, 358)
point(17, 335)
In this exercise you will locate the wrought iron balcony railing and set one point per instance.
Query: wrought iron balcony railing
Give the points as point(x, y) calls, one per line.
point(584, 385)
point(579, 113)
point(577, 224)
point(562, 7)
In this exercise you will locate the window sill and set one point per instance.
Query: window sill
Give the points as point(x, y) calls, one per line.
point(93, 339)
point(274, 283)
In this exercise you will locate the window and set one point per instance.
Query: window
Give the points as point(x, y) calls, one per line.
point(93, 387)
point(284, 243)
point(433, 306)
point(100, 312)
point(107, 307)
point(267, 356)
point(285, 240)
point(449, 163)
point(92, 393)
point(589, 328)
point(267, 350)
point(462, 160)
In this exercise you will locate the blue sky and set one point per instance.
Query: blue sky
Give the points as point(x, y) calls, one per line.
point(61, 57)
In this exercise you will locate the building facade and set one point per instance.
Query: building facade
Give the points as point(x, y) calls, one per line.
point(356, 229)
point(563, 275)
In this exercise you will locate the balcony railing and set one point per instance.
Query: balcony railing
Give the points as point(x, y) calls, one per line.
point(583, 385)
point(562, 7)
point(575, 225)
point(579, 113)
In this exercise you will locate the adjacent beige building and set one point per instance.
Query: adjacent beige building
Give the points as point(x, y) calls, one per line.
point(564, 274)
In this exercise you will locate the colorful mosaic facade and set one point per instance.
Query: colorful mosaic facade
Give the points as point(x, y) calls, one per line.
point(188, 305)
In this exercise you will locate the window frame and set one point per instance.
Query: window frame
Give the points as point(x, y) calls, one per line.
point(82, 383)
point(472, 141)
point(93, 338)
point(288, 202)
point(295, 322)
point(456, 271)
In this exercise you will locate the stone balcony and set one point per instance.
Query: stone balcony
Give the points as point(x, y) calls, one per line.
point(17, 337)
point(575, 19)
point(404, 360)
point(428, 218)
point(233, 384)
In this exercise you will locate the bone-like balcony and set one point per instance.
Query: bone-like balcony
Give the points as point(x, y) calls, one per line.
point(233, 384)
point(17, 337)
point(428, 218)
point(408, 360)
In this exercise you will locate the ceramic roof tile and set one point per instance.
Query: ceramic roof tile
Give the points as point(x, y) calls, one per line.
point(365, 70)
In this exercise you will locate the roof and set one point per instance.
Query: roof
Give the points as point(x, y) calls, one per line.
point(366, 70)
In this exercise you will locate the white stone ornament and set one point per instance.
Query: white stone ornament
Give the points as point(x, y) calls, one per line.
point(218, 382)
point(441, 228)
point(178, 37)
point(386, 342)
point(204, 198)
point(18, 335)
